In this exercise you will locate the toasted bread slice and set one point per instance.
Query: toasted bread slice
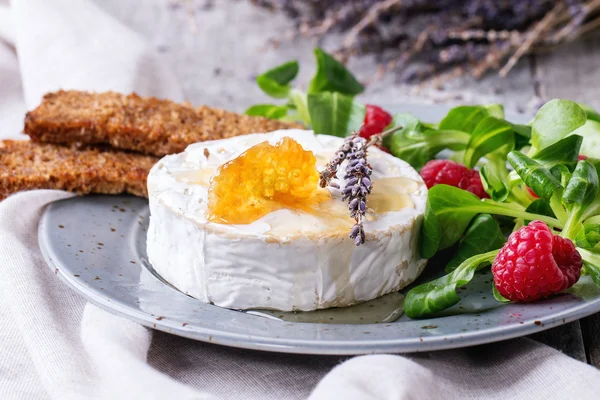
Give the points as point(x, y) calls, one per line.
point(130, 122)
point(25, 165)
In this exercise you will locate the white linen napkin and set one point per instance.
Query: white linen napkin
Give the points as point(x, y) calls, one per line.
point(54, 345)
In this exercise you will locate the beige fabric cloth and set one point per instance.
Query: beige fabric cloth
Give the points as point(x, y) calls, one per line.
point(54, 345)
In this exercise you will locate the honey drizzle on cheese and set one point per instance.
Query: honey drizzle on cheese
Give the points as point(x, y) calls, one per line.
point(391, 194)
point(388, 195)
point(195, 177)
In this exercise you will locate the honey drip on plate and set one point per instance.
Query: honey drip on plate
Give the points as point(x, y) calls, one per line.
point(385, 309)
point(263, 179)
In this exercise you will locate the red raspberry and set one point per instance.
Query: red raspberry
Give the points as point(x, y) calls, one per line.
point(535, 263)
point(376, 120)
point(471, 182)
point(448, 172)
point(436, 172)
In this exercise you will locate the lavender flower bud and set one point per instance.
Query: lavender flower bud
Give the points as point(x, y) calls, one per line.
point(358, 234)
point(334, 185)
point(355, 231)
point(366, 182)
point(358, 181)
point(358, 240)
point(353, 162)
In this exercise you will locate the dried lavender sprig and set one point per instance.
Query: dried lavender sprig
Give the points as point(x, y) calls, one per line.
point(378, 138)
point(357, 175)
point(332, 166)
point(358, 186)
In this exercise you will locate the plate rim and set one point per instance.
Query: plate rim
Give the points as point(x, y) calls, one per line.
point(306, 346)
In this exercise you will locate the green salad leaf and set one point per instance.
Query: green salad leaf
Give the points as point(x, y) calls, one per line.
point(334, 113)
point(300, 105)
point(267, 110)
point(540, 207)
point(534, 175)
point(483, 235)
point(522, 130)
point(329, 106)
point(490, 134)
point(332, 76)
point(588, 237)
point(454, 209)
point(591, 262)
point(432, 297)
point(276, 82)
point(590, 132)
point(555, 120)
point(495, 110)
point(463, 118)
point(494, 174)
point(522, 135)
point(563, 152)
point(581, 191)
point(590, 112)
point(499, 298)
point(493, 179)
point(418, 144)
point(431, 233)
point(582, 188)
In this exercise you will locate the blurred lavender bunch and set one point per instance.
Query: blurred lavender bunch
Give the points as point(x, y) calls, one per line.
point(438, 40)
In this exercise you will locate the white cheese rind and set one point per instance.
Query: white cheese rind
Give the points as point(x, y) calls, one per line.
point(244, 266)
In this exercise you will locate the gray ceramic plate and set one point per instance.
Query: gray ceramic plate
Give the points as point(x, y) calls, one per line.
point(97, 245)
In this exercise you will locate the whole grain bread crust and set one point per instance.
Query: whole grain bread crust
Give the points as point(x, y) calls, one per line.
point(130, 122)
point(25, 165)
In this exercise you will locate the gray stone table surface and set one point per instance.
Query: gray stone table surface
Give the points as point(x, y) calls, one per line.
point(218, 47)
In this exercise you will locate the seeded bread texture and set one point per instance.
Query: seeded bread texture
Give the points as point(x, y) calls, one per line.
point(130, 122)
point(26, 165)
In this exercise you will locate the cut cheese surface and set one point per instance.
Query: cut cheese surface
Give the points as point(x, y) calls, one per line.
point(294, 258)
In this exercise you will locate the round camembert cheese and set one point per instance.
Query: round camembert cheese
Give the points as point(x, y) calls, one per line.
point(289, 259)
